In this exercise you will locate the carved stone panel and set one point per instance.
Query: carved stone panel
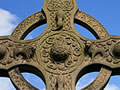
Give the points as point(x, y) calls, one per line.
point(60, 52)
point(60, 56)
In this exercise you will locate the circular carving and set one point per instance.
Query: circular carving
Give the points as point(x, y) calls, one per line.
point(63, 47)
point(59, 51)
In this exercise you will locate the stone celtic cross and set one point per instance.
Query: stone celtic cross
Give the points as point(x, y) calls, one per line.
point(59, 56)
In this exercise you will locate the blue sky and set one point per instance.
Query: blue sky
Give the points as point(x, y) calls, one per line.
point(107, 12)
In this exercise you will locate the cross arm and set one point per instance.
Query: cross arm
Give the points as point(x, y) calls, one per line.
point(14, 52)
point(106, 52)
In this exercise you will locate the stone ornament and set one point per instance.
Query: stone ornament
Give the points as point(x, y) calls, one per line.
point(59, 56)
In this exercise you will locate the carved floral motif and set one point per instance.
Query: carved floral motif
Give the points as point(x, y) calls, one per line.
point(60, 52)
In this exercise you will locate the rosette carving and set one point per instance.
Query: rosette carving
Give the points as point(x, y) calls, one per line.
point(60, 52)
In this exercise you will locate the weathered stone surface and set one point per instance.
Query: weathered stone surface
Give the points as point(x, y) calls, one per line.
point(60, 56)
